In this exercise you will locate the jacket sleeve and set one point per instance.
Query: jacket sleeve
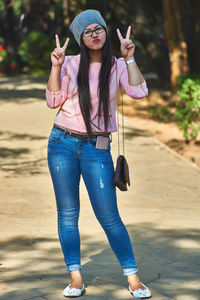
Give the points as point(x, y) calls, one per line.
point(134, 91)
point(56, 99)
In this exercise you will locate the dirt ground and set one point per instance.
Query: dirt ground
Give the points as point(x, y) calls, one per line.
point(160, 208)
point(168, 133)
point(26, 89)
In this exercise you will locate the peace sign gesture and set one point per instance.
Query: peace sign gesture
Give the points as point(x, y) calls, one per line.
point(127, 46)
point(58, 54)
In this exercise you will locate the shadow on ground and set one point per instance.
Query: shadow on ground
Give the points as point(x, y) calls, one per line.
point(158, 253)
point(8, 135)
point(22, 96)
point(135, 132)
point(20, 161)
point(14, 153)
point(22, 90)
point(24, 168)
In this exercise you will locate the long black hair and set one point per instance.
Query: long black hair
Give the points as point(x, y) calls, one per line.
point(103, 86)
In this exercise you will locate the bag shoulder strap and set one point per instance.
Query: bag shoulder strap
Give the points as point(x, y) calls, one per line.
point(118, 125)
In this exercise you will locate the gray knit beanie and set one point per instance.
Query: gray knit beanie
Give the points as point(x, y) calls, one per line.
point(82, 20)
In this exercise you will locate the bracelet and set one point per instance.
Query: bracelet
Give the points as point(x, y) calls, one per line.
point(130, 61)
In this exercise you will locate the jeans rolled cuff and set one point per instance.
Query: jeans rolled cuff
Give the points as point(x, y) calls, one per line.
point(129, 271)
point(74, 267)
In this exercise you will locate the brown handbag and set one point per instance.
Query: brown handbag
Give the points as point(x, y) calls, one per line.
point(121, 174)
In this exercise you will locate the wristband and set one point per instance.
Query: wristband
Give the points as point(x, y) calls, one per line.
point(130, 61)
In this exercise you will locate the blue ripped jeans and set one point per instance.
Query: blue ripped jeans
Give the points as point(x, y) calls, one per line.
point(68, 158)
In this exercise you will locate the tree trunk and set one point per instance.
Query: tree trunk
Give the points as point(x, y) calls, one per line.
point(66, 12)
point(191, 25)
point(10, 35)
point(175, 40)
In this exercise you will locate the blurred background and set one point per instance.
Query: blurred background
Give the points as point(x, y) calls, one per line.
point(166, 33)
point(162, 146)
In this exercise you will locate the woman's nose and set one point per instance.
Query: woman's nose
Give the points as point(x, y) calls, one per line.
point(94, 34)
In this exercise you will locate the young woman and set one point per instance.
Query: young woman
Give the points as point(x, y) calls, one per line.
point(86, 88)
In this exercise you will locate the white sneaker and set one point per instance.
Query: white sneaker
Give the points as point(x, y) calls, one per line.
point(73, 292)
point(139, 293)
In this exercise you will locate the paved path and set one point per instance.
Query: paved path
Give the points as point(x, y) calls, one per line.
point(161, 212)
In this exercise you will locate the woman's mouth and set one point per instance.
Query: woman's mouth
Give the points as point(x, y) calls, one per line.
point(96, 41)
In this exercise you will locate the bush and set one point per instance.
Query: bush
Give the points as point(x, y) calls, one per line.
point(161, 113)
point(35, 51)
point(36, 48)
point(3, 54)
point(188, 108)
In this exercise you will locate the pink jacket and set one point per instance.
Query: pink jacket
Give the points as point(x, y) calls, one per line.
point(69, 114)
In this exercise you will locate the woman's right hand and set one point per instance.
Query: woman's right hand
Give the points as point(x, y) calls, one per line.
point(58, 55)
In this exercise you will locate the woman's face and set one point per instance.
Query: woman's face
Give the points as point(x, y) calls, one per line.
point(94, 36)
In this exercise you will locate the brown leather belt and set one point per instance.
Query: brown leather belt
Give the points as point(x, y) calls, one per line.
point(85, 138)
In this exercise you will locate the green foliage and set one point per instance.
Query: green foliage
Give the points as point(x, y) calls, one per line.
point(17, 6)
point(3, 54)
point(188, 108)
point(180, 79)
point(73, 47)
point(35, 51)
point(161, 113)
point(2, 6)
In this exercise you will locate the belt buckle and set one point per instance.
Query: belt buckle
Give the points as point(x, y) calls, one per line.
point(69, 133)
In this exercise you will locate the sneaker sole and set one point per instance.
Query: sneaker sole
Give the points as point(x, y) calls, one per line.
point(141, 297)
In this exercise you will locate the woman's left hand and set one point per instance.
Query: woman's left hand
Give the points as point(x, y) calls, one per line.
point(127, 46)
